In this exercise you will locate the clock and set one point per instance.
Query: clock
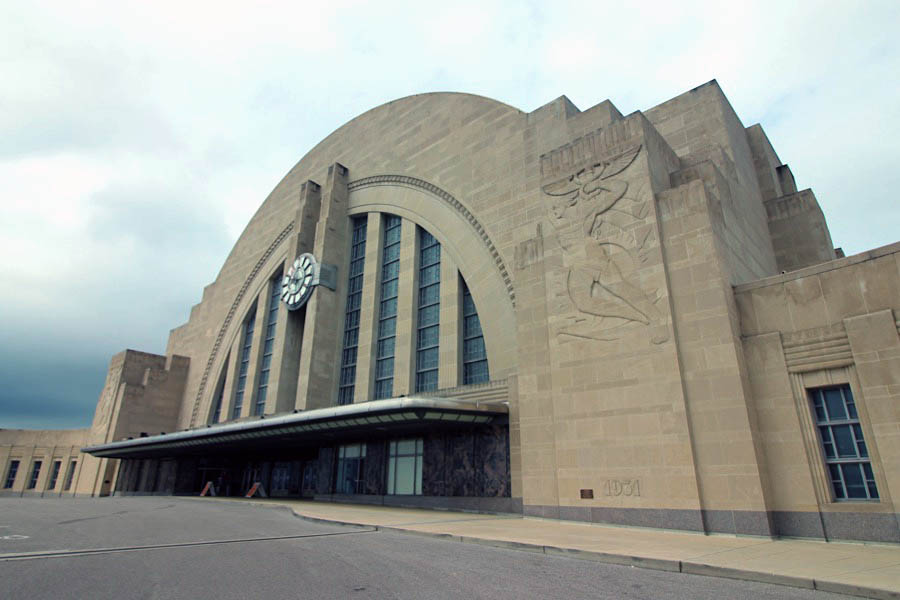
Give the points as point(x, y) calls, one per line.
point(298, 284)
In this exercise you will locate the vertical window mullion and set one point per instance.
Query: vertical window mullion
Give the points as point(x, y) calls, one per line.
point(387, 312)
point(268, 345)
point(347, 378)
point(475, 368)
point(428, 314)
point(244, 366)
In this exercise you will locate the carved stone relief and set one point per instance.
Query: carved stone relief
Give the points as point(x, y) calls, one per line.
point(601, 226)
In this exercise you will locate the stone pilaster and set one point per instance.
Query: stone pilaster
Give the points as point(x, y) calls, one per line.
point(289, 331)
point(450, 374)
point(407, 300)
point(317, 386)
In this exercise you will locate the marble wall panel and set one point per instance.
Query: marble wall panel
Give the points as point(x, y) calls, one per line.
point(375, 467)
point(326, 470)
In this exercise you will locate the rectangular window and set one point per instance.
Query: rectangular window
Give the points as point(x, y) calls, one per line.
point(245, 364)
point(429, 312)
point(35, 473)
point(846, 455)
point(387, 310)
point(269, 345)
point(350, 477)
point(11, 474)
point(475, 364)
point(70, 474)
point(405, 467)
point(54, 474)
point(347, 381)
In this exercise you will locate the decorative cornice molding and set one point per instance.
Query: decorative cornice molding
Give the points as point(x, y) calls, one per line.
point(815, 349)
point(415, 183)
point(230, 316)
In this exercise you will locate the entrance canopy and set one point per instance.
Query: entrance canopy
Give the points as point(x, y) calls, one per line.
point(399, 416)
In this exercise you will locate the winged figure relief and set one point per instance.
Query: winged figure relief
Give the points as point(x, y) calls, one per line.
point(599, 227)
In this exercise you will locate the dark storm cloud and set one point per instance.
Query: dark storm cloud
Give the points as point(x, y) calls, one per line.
point(39, 389)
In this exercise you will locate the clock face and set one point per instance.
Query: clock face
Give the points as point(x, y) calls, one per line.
point(297, 285)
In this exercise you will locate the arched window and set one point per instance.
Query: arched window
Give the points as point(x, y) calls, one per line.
point(474, 355)
point(351, 316)
point(387, 310)
point(428, 315)
point(268, 345)
point(246, 347)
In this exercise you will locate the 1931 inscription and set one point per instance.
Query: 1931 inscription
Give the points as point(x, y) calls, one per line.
point(622, 487)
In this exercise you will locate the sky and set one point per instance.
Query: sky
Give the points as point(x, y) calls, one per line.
point(138, 138)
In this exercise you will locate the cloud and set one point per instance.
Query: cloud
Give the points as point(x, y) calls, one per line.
point(137, 134)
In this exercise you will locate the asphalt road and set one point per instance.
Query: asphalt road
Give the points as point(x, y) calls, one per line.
point(161, 547)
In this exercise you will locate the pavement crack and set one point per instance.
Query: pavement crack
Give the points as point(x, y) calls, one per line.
point(121, 512)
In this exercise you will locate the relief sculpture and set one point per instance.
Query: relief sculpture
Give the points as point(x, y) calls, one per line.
point(602, 230)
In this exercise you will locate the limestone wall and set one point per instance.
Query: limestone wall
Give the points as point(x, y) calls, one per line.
point(51, 446)
point(828, 325)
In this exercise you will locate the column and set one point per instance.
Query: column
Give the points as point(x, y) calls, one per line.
point(450, 349)
point(405, 352)
point(320, 364)
point(289, 331)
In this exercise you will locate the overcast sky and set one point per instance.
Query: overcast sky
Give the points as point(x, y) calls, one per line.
point(137, 139)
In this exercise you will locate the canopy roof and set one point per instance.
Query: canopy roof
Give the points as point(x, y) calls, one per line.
point(324, 425)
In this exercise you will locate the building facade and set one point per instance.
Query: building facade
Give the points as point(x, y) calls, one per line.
point(570, 314)
point(41, 463)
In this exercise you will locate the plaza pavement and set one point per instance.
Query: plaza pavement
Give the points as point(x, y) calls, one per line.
point(867, 570)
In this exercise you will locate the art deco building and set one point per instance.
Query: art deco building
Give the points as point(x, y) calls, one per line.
point(571, 314)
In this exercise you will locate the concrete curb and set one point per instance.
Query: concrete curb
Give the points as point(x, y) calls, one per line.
point(641, 562)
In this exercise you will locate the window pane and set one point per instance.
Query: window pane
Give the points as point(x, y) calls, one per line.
point(384, 389)
point(844, 441)
point(835, 404)
point(391, 253)
point(430, 315)
point(836, 481)
point(406, 447)
point(429, 336)
point(430, 275)
point(854, 481)
point(389, 289)
point(860, 444)
point(819, 405)
point(385, 368)
point(389, 307)
point(430, 294)
point(390, 270)
point(388, 327)
point(386, 347)
point(405, 475)
point(428, 359)
point(473, 349)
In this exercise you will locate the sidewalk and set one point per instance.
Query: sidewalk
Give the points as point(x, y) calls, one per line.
point(868, 570)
